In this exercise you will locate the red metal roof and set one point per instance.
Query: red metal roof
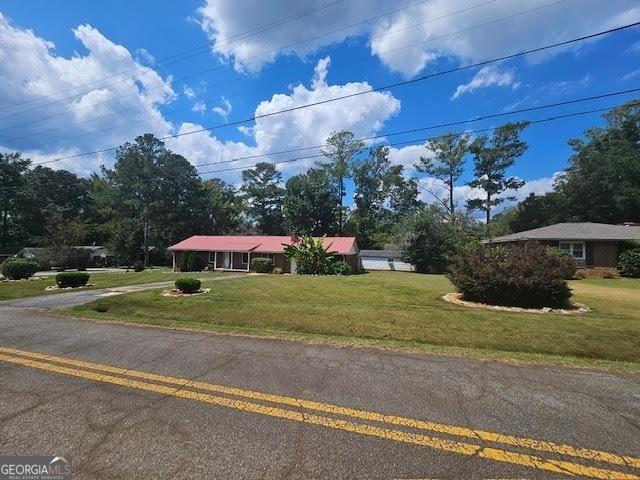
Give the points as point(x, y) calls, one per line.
point(258, 243)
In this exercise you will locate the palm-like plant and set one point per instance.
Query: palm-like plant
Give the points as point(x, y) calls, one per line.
point(311, 256)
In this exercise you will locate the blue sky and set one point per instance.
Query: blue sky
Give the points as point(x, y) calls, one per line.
point(82, 76)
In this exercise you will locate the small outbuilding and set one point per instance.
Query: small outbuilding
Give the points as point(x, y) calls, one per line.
point(384, 260)
point(591, 244)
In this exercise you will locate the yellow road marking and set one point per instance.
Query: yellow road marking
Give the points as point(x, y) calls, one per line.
point(550, 465)
point(540, 445)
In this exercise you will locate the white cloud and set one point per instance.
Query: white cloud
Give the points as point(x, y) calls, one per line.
point(410, 39)
point(188, 91)
point(32, 76)
point(224, 109)
point(486, 77)
point(199, 107)
point(632, 74)
point(462, 193)
point(364, 115)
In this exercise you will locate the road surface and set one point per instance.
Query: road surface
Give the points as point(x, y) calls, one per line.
point(142, 402)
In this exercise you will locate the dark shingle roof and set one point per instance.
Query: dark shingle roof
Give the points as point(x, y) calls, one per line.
point(575, 231)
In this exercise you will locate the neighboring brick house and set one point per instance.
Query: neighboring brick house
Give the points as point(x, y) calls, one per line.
point(234, 253)
point(591, 244)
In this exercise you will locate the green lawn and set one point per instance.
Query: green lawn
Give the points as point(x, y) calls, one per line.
point(31, 288)
point(399, 308)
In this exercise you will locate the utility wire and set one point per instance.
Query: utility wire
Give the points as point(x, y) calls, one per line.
point(377, 89)
point(142, 109)
point(201, 49)
point(406, 142)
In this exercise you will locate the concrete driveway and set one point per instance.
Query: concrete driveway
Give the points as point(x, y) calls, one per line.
point(142, 402)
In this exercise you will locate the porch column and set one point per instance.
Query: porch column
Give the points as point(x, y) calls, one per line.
point(248, 261)
point(173, 254)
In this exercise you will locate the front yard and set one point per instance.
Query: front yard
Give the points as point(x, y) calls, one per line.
point(397, 309)
point(32, 288)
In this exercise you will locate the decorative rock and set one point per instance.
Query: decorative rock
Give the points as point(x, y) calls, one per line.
point(456, 298)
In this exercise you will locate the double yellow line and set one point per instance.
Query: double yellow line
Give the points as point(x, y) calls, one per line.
point(366, 423)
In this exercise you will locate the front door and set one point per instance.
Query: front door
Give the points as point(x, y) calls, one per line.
point(226, 261)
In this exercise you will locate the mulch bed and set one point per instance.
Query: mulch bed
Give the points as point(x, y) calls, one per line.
point(174, 292)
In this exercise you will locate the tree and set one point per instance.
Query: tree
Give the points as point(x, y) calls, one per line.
point(310, 203)
point(340, 149)
point(447, 164)
point(602, 182)
point(264, 196)
point(540, 210)
point(311, 256)
point(223, 207)
point(402, 193)
point(492, 158)
point(427, 240)
point(12, 169)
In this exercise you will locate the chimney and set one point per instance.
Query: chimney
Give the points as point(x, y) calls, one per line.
point(294, 237)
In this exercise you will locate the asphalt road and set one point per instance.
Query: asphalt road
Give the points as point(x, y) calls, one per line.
point(126, 423)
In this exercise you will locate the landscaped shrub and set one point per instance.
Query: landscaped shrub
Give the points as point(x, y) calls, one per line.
point(277, 271)
point(341, 268)
point(526, 275)
point(568, 263)
point(138, 266)
point(18, 268)
point(629, 263)
point(191, 262)
point(188, 285)
point(72, 279)
point(195, 263)
point(261, 265)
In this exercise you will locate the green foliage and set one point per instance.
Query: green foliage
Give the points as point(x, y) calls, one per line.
point(528, 275)
point(311, 203)
point(12, 180)
point(264, 196)
point(18, 268)
point(340, 149)
point(340, 268)
point(138, 266)
point(261, 265)
point(223, 207)
point(188, 285)
point(72, 279)
point(447, 164)
point(567, 263)
point(429, 238)
point(277, 271)
point(629, 263)
point(191, 262)
point(492, 158)
point(311, 256)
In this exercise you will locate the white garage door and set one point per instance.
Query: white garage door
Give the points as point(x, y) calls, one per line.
point(376, 263)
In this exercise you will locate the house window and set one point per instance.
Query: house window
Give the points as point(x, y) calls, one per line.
point(575, 249)
point(245, 258)
point(212, 257)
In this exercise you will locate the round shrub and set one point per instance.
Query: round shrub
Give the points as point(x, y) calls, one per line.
point(277, 271)
point(527, 275)
point(188, 285)
point(567, 263)
point(138, 266)
point(341, 268)
point(629, 263)
point(72, 279)
point(19, 268)
point(262, 265)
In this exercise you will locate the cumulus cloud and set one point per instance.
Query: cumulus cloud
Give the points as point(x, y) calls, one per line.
point(224, 109)
point(364, 115)
point(199, 107)
point(409, 39)
point(486, 77)
point(57, 101)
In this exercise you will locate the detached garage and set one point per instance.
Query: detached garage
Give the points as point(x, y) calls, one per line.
point(384, 260)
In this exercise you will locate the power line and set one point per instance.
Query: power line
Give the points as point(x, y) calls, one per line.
point(372, 90)
point(369, 19)
point(204, 47)
point(432, 127)
point(455, 134)
point(231, 81)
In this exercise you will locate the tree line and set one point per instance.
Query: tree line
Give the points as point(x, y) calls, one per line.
point(153, 197)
